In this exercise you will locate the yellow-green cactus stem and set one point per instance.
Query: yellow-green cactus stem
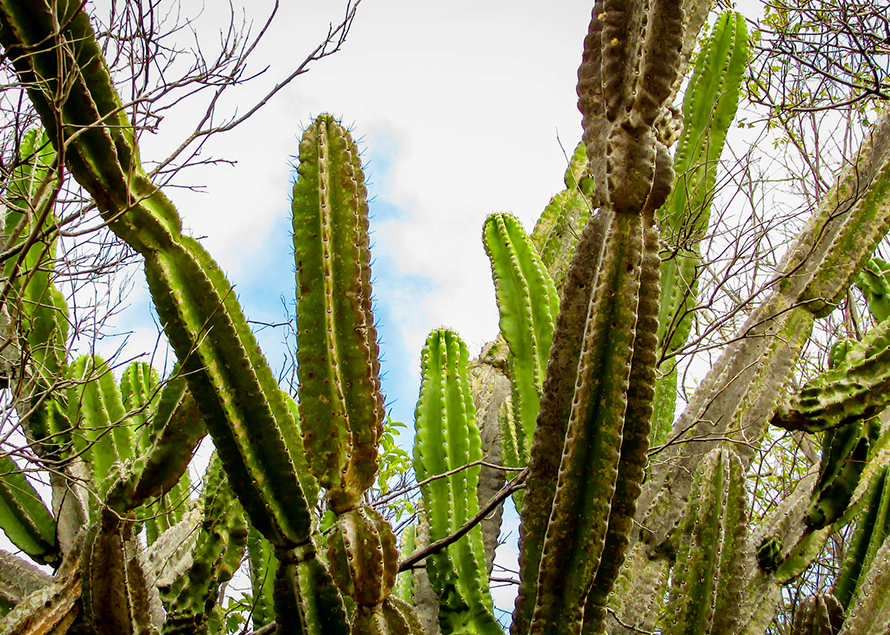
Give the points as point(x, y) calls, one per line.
point(341, 406)
point(140, 391)
point(306, 598)
point(527, 303)
point(559, 226)
point(708, 577)
point(175, 429)
point(24, 517)
point(446, 440)
point(362, 555)
point(100, 430)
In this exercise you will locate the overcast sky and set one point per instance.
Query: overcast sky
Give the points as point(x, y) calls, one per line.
point(460, 111)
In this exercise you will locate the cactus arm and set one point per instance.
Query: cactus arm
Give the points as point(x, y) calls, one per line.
point(233, 386)
point(24, 518)
point(706, 593)
point(404, 589)
point(586, 479)
point(708, 110)
point(858, 389)
point(447, 439)
point(556, 403)
point(139, 391)
point(176, 430)
point(817, 614)
point(527, 304)
point(871, 530)
point(341, 405)
point(95, 411)
point(635, 439)
point(263, 565)
point(218, 552)
point(843, 463)
point(116, 596)
point(306, 598)
point(874, 283)
point(870, 612)
point(229, 378)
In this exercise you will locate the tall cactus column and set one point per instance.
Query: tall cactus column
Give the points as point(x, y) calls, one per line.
point(590, 445)
point(340, 402)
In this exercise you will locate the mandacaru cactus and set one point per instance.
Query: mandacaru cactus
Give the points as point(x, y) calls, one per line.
point(447, 439)
point(604, 533)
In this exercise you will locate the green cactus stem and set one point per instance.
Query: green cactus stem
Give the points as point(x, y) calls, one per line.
point(707, 580)
point(559, 226)
point(362, 555)
point(874, 283)
point(845, 452)
point(446, 440)
point(597, 395)
point(176, 429)
point(218, 552)
point(870, 611)
point(116, 596)
point(24, 518)
point(263, 564)
point(872, 529)
point(40, 309)
point(341, 406)
point(100, 430)
point(527, 303)
point(858, 389)
point(708, 110)
point(228, 377)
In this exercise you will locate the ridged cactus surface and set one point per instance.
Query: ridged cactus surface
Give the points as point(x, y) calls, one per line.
point(340, 403)
point(527, 304)
point(447, 439)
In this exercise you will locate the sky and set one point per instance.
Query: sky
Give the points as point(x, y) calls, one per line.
point(459, 112)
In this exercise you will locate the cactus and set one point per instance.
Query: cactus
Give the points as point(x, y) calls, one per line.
point(528, 304)
point(819, 614)
point(592, 498)
point(708, 110)
point(447, 439)
point(707, 590)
